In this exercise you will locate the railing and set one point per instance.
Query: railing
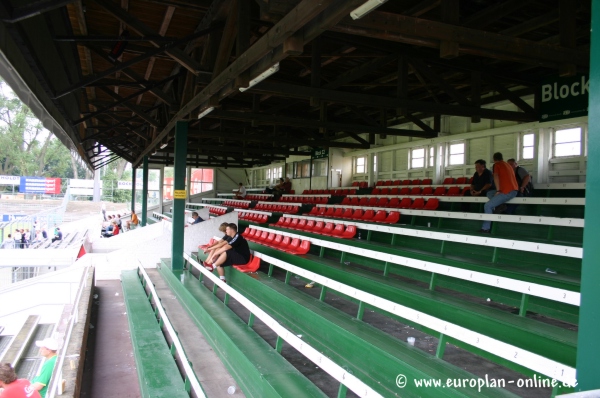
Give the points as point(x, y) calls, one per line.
point(55, 387)
point(190, 376)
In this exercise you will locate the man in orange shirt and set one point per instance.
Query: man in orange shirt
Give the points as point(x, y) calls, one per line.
point(506, 188)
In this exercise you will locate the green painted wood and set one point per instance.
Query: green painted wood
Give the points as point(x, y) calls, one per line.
point(144, 219)
point(587, 358)
point(256, 366)
point(133, 183)
point(373, 356)
point(179, 171)
point(157, 371)
point(541, 338)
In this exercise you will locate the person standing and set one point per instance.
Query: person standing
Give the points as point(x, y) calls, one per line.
point(104, 211)
point(11, 387)
point(8, 243)
point(506, 188)
point(48, 348)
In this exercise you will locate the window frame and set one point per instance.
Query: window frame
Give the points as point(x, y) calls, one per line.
point(582, 140)
point(522, 146)
point(449, 154)
point(364, 165)
point(412, 157)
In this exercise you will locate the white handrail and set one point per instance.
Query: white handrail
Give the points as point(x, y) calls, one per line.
point(333, 369)
point(189, 373)
point(55, 381)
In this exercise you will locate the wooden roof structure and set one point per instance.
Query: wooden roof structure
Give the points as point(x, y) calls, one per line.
point(118, 74)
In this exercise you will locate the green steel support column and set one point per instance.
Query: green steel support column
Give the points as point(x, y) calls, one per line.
point(439, 352)
point(179, 194)
point(288, 276)
point(342, 391)
point(589, 314)
point(550, 232)
point(386, 268)
point(226, 300)
point(440, 220)
point(145, 192)
point(495, 255)
point(394, 239)
point(369, 232)
point(215, 288)
point(251, 320)
point(433, 281)
point(342, 257)
point(443, 246)
point(323, 293)
point(524, 302)
point(279, 344)
point(133, 181)
point(361, 311)
point(270, 270)
point(322, 251)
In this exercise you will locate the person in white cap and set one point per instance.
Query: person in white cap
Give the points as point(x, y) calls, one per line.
point(11, 387)
point(48, 348)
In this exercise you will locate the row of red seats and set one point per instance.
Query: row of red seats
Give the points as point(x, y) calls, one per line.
point(290, 209)
point(336, 192)
point(252, 266)
point(277, 241)
point(217, 211)
point(427, 181)
point(238, 204)
point(305, 199)
point(254, 217)
point(360, 184)
point(257, 197)
point(357, 214)
point(427, 191)
point(317, 227)
point(400, 203)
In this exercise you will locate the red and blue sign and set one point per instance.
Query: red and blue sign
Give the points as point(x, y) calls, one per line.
point(39, 185)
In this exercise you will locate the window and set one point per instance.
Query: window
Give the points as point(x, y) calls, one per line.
point(374, 163)
point(320, 168)
point(567, 142)
point(268, 174)
point(277, 172)
point(168, 183)
point(527, 146)
point(301, 169)
point(201, 181)
point(431, 156)
point(417, 158)
point(360, 165)
point(457, 154)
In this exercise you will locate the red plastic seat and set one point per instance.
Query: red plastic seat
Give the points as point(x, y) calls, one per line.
point(354, 201)
point(270, 239)
point(310, 224)
point(287, 222)
point(448, 180)
point(461, 180)
point(349, 232)
point(369, 214)
point(376, 191)
point(382, 202)
point(322, 211)
point(372, 202)
point(329, 212)
point(439, 191)
point(306, 192)
point(327, 229)
point(352, 192)
point(405, 191)
point(264, 218)
point(319, 225)
point(347, 213)
point(355, 184)
point(338, 212)
point(394, 202)
point(385, 191)
point(363, 201)
point(415, 191)
point(432, 204)
point(405, 182)
point(338, 230)
point(346, 201)
point(405, 203)
point(394, 191)
point(314, 211)
point(294, 223)
point(293, 209)
point(303, 248)
point(285, 242)
point(392, 218)
point(427, 181)
point(263, 236)
point(212, 240)
point(357, 215)
point(379, 216)
point(294, 244)
point(418, 204)
point(252, 266)
point(387, 183)
point(379, 183)
point(415, 182)
point(465, 190)
point(453, 191)
point(301, 224)
point(427, 191)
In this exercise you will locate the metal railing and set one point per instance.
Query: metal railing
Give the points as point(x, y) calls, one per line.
point(55, 387)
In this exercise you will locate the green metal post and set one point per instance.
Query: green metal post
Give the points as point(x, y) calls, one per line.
point(226, 300)
point(369, 233)
point(288, 276)
point(323, 293)
point(439, 352)
point(386, 268)
point(342, 391)
point(433, 281)
point(524, 302)
point(251, 320)
point(133, 181)
point(270, 270)
point(279, 344)
point(179, 194)
point(361, 311)
point(322, 251)
point(589, 313)
point(145, 191)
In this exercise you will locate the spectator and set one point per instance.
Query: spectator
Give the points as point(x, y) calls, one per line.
point(287, 185)
point(117, 218)
point(241, 192)
point(11, 387)
point(235, 252)
point(44, 233)
point(506, 188)
point(23, 239)
point(103, 209)
point(33, 235)
point(48, 348)
point(523, 179)
point(17, 237)
point(8, 243)
point(217, 245)
point(114, 230)
point(196, 217)
point(133, 223)
point(58, 235)
point(482, 182)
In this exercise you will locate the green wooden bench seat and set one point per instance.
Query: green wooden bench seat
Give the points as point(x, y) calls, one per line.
point(549, 341)
point(257, 367)
point(372, 355)
point(157, 371)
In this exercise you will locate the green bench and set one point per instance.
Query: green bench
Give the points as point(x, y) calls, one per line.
point(372, 355)
point(158, 374)
point(258, 368)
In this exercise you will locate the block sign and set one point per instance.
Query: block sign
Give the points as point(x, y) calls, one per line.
point(564, 98)
point(39, 185)
point(320, 153)
point(179, 194)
